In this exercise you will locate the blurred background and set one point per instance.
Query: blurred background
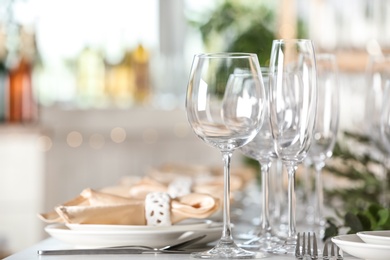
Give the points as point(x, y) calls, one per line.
point(93, 90)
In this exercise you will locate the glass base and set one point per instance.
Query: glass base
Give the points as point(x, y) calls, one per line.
point(288, 247)
point(266, 242)
point(227, 250)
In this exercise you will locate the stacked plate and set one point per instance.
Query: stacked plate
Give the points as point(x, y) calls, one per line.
point(372, 245)
point(92, 236)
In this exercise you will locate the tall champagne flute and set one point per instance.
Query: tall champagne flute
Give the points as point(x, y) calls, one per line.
point(326, 127)
point(261, 148)
point(225, 107)
point(292, 104)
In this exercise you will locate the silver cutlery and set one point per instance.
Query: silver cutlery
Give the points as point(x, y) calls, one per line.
point(334, 253)
point(310, 250)
point(171, 249)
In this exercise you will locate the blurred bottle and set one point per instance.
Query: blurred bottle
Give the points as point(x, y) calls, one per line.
point(22, 106)
point(120, 81)
point(142, 91)
point(91, 79)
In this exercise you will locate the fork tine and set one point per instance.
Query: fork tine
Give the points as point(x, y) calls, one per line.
point(339, 256)
point(297, 250)
point(332, 249)
point(315, 250)
point(325, 253)
point(307, 246)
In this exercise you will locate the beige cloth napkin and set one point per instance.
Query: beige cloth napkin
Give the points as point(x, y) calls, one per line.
point(97, 207)
point(203, 175)
point(205, 179)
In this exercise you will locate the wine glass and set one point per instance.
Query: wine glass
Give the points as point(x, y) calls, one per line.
point(225, 103)
point(378, 75)
point(261, 148)
point(377, 72)
point(292, 104)
point(325, 129)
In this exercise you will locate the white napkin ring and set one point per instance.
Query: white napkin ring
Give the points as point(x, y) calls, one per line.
point(180, 186)
point(158, 209)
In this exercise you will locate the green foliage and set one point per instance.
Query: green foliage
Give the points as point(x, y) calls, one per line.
point(241, 26)
point(255, 165)
point(332, 229)
point(375, 217)
point(364, 206)
point(257, 39)
point(238, 26)
point(366, 187)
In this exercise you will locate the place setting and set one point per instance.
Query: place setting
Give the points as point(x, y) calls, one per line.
point(285, 115)
point(233, 105)
point(170, 207)
point(100, 219)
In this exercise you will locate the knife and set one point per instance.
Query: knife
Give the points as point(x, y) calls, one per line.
point(171, 249)
point(102, 251)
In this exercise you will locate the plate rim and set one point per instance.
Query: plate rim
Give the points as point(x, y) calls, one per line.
point(340, 241)
point(369, 237)
point(203, 223)
point(60, 227)
point(372, 233)
point(353, 245)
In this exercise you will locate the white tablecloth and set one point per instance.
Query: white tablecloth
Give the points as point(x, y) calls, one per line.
point(51, 243)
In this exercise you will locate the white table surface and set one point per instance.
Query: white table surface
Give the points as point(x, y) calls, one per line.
point(51, 243)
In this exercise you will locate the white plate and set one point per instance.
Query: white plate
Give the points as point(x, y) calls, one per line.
point(381, 237)
point(189, 224)
point(354, 246)
point(153, 238)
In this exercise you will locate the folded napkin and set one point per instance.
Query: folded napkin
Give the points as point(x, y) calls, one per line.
point(135, 188)
point(157, 208)
point(203, 175)
point(202, 179)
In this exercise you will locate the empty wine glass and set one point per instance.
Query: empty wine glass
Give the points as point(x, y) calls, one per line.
point(225, 108)
point(261, 148)
point(292, 103)
point(378, 75)
point(326, 127)
point(377, 72)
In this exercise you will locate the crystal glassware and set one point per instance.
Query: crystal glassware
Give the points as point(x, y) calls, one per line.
point(261, 149)
point(225, 103)
point(292, 103)
point(377, 73)
point(378, 76)
point(326, 128)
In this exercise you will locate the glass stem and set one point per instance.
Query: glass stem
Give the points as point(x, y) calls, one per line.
point(227, 231)
point(291, 238)
point(320, 196)
point(265, 223)
point(309, 193)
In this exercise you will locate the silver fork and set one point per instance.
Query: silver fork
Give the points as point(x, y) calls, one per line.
point(311, 250)
point(334, 253)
